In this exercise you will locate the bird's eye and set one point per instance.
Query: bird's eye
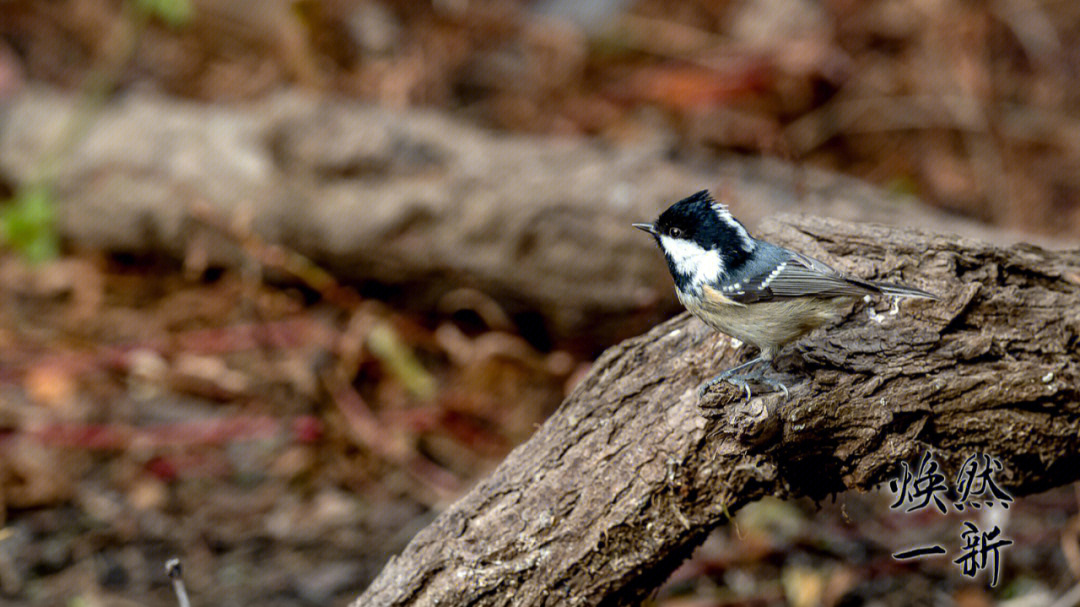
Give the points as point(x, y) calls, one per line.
point(675, 232)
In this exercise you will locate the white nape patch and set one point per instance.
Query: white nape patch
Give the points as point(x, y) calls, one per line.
point(699, 264)
point(745, 241)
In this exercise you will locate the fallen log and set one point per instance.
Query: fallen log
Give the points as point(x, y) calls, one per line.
point(415, 201)
point(632, 472)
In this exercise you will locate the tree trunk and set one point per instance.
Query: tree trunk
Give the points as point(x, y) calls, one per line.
point(632, 472)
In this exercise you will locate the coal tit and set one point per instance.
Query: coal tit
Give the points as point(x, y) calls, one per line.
point(757, 292)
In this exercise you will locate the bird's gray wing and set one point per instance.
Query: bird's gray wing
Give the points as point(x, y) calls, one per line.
point(784, 274)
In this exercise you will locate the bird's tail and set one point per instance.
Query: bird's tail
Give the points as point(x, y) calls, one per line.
point(903, 291)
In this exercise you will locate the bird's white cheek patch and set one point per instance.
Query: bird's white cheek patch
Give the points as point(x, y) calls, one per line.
point(690, 259)
point(682, 253)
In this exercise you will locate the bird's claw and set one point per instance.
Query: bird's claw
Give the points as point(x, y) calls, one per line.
point(743, 381)
point(703, 388)
point(738, 382)
point(775, 384)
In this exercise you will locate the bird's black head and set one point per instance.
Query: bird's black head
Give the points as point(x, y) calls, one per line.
point(692, 218)
point(699, 218)
point(700, 239)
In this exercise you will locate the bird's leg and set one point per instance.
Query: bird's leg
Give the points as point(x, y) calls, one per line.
point(730, 376)
point(770, 376)
point(763, 364)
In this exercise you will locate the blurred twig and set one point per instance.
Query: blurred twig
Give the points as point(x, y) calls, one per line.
point(276, 256)
point(175, 573)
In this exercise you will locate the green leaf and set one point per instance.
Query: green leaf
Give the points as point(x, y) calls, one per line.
point(176, 13)
point(28, 224)
point(399, 359)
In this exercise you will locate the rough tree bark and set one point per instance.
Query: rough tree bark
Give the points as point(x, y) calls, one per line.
point(632, 472)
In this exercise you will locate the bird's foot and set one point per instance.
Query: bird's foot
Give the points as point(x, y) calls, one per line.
point(743, 381)
point(775, 384)
point(739, 381)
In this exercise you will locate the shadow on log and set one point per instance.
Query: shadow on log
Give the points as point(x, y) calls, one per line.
point(632, 472)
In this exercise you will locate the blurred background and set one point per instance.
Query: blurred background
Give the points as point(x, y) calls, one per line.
point(281, 279)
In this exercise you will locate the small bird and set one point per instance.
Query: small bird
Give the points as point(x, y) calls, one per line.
point(757, 292)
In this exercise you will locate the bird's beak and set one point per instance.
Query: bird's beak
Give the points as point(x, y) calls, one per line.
point(646, 227)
